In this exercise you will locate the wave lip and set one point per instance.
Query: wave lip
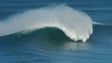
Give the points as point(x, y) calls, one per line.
point(75, 24)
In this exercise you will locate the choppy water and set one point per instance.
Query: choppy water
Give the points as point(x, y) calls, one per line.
point(51, 45)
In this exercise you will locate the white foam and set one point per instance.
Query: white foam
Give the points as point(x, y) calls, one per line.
point(76, 24)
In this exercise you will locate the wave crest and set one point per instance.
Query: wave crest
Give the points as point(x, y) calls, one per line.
point(75, 24)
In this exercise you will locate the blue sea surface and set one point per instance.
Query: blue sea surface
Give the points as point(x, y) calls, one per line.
point(50, 45)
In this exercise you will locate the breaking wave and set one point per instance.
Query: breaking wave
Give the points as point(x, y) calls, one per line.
point(75, 24)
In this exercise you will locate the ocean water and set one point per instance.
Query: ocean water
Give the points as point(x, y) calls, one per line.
point(55, 31)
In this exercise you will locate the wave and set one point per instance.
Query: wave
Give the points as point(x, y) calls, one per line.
point(75, 24)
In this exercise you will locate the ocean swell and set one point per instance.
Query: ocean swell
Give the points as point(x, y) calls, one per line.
point(75, 24)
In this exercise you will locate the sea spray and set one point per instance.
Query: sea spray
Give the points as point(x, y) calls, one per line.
point(75, 24)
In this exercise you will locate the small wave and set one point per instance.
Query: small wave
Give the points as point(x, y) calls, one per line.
point(99, 25)
point(75, 24)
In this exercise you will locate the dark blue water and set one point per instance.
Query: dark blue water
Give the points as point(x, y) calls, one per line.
point(50, 45)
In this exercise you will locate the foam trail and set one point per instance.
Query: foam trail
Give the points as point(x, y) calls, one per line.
point(76, 24)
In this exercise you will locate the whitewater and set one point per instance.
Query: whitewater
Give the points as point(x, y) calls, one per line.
point(76, 24)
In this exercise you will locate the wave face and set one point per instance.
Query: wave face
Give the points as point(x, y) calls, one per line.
point(102, 31)
point(75, 24)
